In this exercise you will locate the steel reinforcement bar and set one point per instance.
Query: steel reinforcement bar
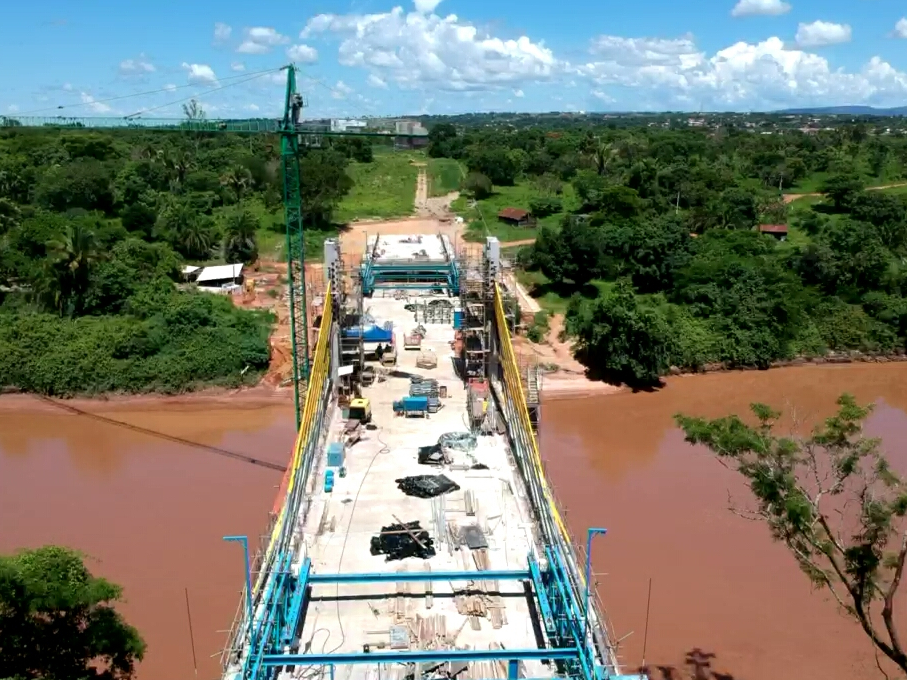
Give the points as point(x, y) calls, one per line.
point(554, 530)
point(278, 551)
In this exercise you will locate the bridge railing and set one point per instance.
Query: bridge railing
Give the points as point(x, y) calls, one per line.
point(554, 528)
point(308, 440)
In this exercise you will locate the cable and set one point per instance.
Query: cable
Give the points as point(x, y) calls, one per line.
point(384, 449)
point(138, 94)
point(162, 435)
point(200, 94)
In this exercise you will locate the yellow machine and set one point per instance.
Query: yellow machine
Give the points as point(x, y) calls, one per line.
point(361, 410)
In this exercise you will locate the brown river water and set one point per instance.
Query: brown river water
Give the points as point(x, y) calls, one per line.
point(151, 513)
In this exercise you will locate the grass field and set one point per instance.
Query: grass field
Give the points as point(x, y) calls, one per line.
point(554, 300)
point(444, 175)
point(517, 196)
point(383, 189)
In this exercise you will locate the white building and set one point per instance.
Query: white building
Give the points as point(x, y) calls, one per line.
point(348, 125)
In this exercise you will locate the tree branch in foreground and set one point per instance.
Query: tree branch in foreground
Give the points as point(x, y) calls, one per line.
point(832, 499)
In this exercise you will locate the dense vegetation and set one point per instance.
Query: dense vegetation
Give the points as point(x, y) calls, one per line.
point(94, 230)
point(57, 620)
point(652, 235)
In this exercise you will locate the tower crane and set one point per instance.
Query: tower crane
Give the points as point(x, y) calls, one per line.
point(291, 129)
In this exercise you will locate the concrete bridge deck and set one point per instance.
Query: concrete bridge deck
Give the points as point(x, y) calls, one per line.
point(347, 617)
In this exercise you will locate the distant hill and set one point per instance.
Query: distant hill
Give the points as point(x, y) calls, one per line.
point(848, 111)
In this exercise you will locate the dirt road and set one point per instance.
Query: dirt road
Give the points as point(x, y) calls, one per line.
point(790, 198)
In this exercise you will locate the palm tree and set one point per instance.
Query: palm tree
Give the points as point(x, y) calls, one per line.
point(240, 242)
point(70, 261)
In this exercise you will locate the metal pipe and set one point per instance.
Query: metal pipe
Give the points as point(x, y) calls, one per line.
point(348, 658)
point(244, 541)
point(593, 531)
point(416, 576)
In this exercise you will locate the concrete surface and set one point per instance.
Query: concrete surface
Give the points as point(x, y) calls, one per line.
point(340, 525)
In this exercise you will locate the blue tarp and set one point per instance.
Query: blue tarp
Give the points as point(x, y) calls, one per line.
point(371, 332)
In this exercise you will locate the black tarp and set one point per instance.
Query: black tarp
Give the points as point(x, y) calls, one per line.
point(426, 486)
point(397, 542)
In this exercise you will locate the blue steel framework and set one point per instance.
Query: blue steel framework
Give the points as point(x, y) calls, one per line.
point(565, 616)
point(410, 274)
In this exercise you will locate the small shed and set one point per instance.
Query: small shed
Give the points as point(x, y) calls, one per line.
point(516, 216)
point(190, 271)
point(779, 231)
point(220, 277)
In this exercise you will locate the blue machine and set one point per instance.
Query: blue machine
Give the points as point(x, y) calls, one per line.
point(458, 319)
point(329, 481)
point(336, 455)
point(409, 406)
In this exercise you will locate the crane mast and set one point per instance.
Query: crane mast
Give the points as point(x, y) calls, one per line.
point(299, 330)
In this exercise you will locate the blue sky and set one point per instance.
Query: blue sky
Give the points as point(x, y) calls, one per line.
point(377, 57)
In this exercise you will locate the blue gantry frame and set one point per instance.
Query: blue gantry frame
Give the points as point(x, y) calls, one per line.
point(410, 276)
point(279, 617)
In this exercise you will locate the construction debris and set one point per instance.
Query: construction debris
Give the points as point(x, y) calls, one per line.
point(458, 441)
point(426, 486)
point(402, 540)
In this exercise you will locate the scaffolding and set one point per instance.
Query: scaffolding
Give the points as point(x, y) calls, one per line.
point(476, 300)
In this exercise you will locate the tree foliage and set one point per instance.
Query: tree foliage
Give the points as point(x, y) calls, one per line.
point(833, 500)
point(620, 337)
point(57, 620)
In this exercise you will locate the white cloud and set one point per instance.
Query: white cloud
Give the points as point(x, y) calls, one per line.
point(341, 90)
point(94, 106)
point(518, 93)
point(418, 49)
point(222, 33)
point(426, 6)
point(900, 28)
point(237, 66)
point(603, 96)
point(252, 107)
point(12, 108)
point(200, 73)
point(820, 33)
point(376, 81)
point(746, 8)
point(136, 66)
point(261, 40)
point(302, 53)
point(677, 74)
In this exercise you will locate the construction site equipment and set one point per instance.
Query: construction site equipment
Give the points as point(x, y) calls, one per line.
point(426, 486)
point(361, 410)
point(352, 432)
point(410, 263)
point(388, 356)
point(329, 481)
point(458, 319)
point(366, 376)
point(458, 441)
point(412, 341)
point(427, 359)
point(434, 404)
point(336, 454)
point(411, 406)
point(442, 391)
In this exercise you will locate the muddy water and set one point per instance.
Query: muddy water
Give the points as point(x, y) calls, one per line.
point(149, 511)
point(719, 584)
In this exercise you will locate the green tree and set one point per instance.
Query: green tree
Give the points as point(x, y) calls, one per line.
point(57, 620)
point(619, 338)
point(842, 189)
point(738, 208)
point(832, 499)
point(70, 263)
point(240, 241)
point(323, 183)
point(478, 185)
point(190, 234)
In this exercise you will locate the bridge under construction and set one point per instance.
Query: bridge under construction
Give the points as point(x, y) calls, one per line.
point(415, 534)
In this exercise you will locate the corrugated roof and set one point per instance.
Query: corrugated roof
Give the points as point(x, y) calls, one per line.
point(773, 228)
point(513, 214)
point(219, 272)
